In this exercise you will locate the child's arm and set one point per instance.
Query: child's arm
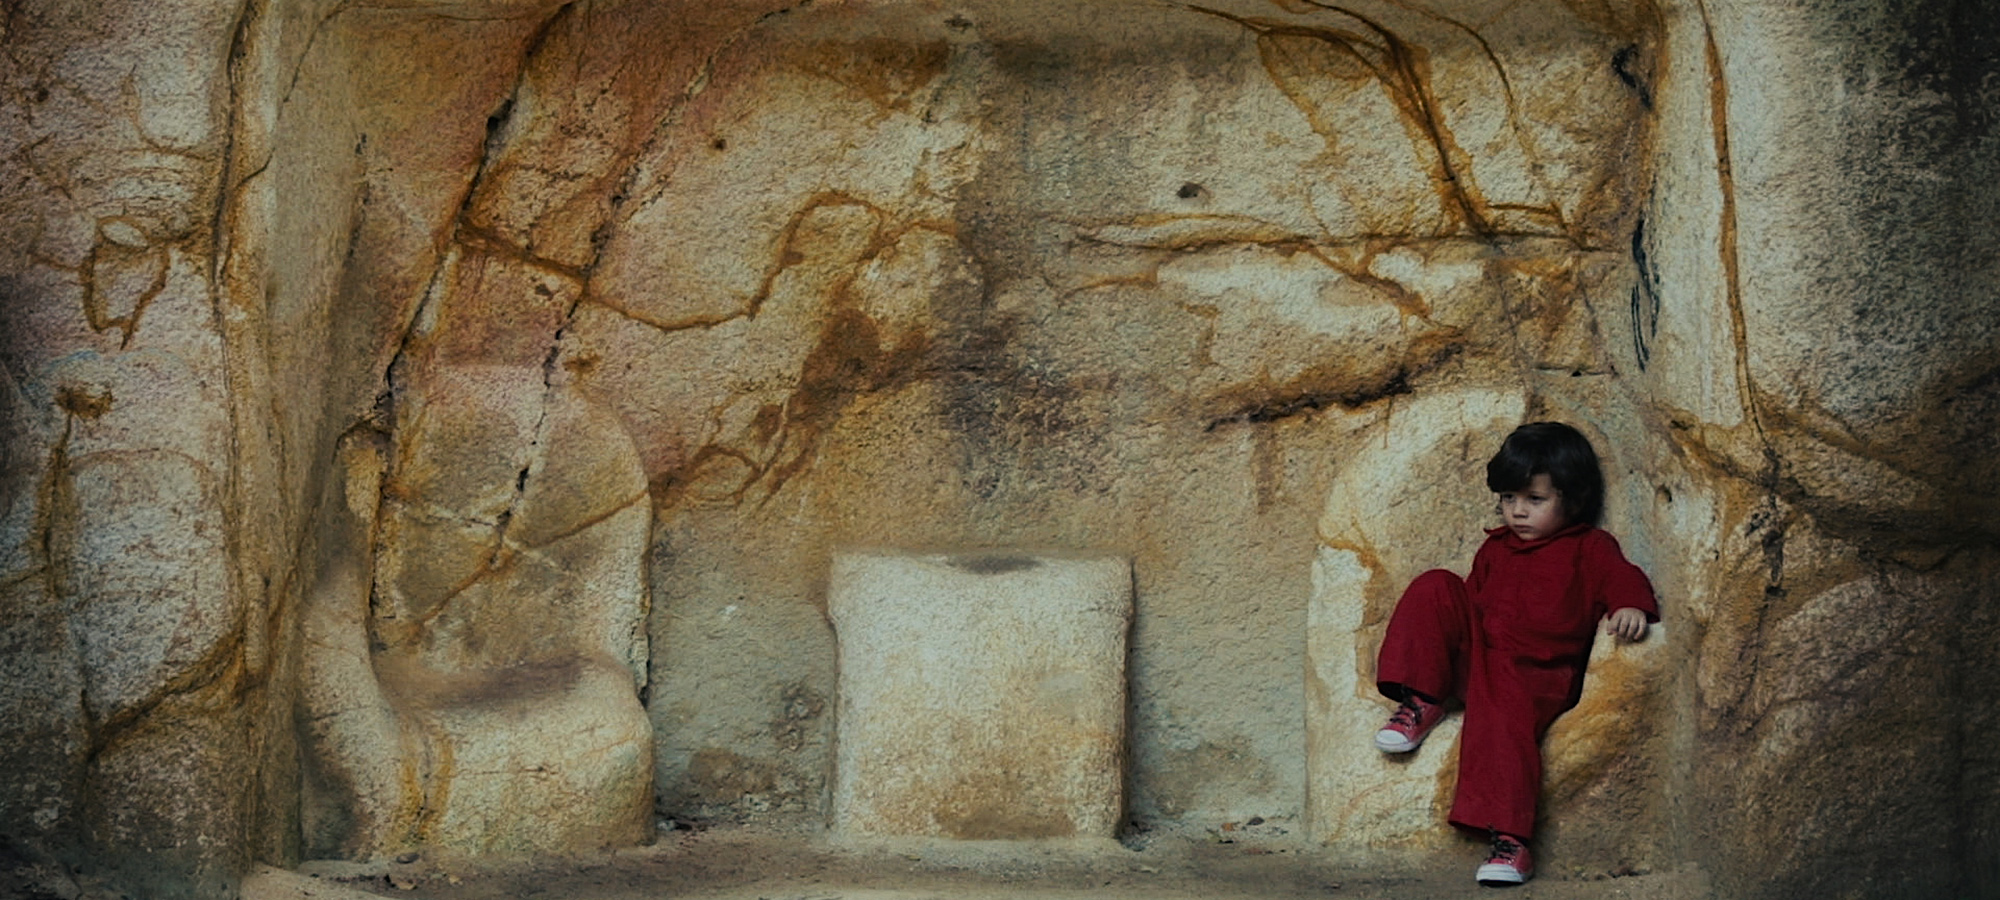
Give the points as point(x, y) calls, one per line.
point(1624, 588)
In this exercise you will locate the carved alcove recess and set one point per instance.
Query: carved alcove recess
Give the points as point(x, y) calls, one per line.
point(747, 283)
point(428, 426)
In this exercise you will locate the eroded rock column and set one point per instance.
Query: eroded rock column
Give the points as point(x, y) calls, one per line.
point(136, 652)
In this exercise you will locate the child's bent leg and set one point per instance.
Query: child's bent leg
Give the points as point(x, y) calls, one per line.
point(1509, 705)
point(1428, 644)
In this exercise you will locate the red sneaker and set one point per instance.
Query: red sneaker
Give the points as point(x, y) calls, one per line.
point(1410, 724)
point(1511, 863)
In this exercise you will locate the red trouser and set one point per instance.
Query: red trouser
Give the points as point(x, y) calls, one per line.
point(1435, 646)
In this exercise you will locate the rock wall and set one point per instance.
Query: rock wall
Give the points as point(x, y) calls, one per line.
point(418, 407)
point(1842, 588)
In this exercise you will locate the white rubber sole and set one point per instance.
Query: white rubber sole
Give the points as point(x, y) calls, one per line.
point(1496, 874)
point(1393, 742)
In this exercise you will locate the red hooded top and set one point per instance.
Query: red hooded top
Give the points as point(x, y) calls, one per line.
point(1542, 599)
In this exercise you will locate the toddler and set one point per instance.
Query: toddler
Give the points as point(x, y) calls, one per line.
point(1511, 639)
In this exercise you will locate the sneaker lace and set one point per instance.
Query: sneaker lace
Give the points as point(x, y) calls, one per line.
point(1505, 849)
point(1407, 715)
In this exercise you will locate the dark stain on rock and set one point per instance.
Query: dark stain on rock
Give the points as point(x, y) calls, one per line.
point(1002, 821)
point(986, 805)
point(848, 361)
point(1018, 420)
point(799, 707)
point(84, 401)
point(715, 775)
point(1175, 779)
point(1625, 63)
point(887, 72)
point(517, 685)
point(993, 564)
point(1319, 390)
point(1645, 298)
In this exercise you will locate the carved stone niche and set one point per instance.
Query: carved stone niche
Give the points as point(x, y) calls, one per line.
point(476, 693)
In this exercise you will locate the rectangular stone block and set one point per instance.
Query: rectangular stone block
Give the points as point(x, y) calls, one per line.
point(982, 697)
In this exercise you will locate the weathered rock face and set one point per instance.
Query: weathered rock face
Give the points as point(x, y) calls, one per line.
point(1859, 475)
point(431, 424)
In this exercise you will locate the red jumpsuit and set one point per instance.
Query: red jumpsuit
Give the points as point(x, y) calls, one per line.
point(1511, 639)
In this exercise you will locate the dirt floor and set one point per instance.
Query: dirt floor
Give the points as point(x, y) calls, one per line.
point(742, 864)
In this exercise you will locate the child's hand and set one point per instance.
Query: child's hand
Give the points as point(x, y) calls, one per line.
point(1627, 623)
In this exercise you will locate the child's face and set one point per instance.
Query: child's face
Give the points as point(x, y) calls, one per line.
point(1535, 511)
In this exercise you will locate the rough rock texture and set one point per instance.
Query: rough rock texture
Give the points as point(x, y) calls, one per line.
point(1841, 561)
point(982, 697)
point(415, 411)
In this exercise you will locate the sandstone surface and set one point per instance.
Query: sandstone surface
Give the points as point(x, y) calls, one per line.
point(430, 425)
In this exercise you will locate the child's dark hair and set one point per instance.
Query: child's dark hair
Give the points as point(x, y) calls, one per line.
point(1558, 451)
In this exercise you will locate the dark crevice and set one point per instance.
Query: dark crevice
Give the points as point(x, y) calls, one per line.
point(1645, 297)
point(499, 132)
point(1621, 64)
point(496, 126)
point(357, 219)
point(1285, 404)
